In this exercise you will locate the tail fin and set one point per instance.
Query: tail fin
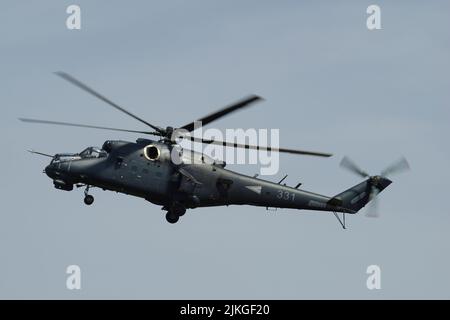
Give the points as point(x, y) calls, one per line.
point(358, 196)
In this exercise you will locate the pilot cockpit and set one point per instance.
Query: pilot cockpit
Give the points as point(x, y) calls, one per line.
point(88, 153)
point(93, 152)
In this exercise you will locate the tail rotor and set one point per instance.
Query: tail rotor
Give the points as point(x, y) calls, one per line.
point(398, 166)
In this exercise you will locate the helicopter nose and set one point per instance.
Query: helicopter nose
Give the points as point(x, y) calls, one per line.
point(50, 171)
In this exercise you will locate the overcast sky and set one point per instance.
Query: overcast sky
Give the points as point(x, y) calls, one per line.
point(330, 85)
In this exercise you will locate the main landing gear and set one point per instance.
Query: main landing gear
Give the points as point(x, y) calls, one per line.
point(174, 212)
point(88, 199)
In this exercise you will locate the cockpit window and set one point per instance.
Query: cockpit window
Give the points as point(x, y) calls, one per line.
point(62, 157)
point(85, 153)
point(88, 153)
point(93, 152)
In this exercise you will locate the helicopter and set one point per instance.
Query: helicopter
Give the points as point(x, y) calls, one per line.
point(145, 169)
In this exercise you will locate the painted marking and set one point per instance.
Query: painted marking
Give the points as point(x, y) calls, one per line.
point(256, 189)
point(317, 204)
point(358, 197)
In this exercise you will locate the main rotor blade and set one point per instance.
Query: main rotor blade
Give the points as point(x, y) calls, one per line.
point(222, 112)
point(84, 87)
point(83, 126)
point(247, 146)
point(40, 153)
point(351, 166)
point(397, 167)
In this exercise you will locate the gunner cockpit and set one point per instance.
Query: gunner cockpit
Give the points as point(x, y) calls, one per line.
point(88, 153)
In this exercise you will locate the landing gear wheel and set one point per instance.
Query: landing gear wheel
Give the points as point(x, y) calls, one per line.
point(182, 212)
point(172, 217)
point(88, 199)
point(179, 210)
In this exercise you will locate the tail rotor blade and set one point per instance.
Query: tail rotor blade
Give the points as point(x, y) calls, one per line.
point(397, 167)
point(348, 164)
point(372, 210)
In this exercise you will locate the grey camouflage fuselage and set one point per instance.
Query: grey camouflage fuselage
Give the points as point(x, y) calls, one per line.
point(198, 181)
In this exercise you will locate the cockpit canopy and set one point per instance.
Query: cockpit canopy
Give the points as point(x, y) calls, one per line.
point(88, 153)
point(61, 157)
point(93, 152)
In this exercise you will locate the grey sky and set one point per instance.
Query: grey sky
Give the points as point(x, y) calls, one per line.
point(330, 85)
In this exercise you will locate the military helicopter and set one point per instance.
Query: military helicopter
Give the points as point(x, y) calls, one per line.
point(146, 169)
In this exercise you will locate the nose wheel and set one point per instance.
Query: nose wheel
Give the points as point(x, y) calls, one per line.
point(88, 199)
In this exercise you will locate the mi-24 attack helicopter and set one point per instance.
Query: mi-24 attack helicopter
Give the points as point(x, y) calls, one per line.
point(145, 169)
